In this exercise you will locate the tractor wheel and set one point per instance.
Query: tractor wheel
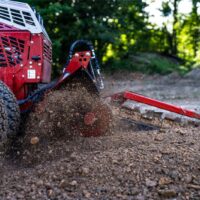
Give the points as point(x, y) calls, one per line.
point(12, 109)
point(3, 122)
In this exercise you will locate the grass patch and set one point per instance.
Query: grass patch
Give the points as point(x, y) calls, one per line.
point(148, 63)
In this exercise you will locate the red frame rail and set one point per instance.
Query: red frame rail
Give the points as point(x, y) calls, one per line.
point(155, 103)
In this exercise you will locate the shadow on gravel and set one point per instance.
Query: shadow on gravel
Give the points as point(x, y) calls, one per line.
point(130, 125)
point(21, 153)
point(50, 132)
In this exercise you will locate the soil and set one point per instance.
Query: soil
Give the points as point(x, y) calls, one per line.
point(132, 161)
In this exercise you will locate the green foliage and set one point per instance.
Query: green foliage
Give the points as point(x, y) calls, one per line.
point(145, 62)
point(166, 9)
point(120, 29)
point(162, 65)
point(67, 21)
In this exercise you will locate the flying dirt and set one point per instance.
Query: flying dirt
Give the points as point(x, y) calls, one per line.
point(62, 116)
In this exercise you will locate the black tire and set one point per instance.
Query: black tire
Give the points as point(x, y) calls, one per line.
point(3, 122)
point(12, 109)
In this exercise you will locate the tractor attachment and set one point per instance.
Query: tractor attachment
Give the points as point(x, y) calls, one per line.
point(81, 68)
point(121, 98)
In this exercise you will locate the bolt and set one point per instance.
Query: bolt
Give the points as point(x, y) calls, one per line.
point(76, 55)
point(87, 54)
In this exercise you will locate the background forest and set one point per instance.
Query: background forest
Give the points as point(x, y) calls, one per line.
point(122, 33)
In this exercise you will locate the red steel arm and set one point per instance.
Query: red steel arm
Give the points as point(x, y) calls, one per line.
point(152, 102)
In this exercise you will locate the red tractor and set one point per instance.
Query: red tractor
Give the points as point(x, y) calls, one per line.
point(26, 62)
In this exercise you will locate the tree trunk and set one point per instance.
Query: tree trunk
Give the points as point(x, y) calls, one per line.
point(174, 33)
point(196, 24)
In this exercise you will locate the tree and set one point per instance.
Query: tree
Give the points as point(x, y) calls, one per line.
point(195, 27)
point(69, 20)
point(175, 22)
point(118, 28)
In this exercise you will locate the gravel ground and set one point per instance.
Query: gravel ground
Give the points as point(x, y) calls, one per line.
point(128, 163)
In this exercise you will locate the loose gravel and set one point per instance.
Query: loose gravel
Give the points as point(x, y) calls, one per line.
point(128, 163)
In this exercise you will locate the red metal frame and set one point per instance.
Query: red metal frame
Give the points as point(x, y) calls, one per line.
point(155, 103)
point(23, 53)
point(17, 49)
point(79, 60)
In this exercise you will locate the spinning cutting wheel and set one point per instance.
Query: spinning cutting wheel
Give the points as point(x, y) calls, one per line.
point(89, 116)
point(92, 120)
